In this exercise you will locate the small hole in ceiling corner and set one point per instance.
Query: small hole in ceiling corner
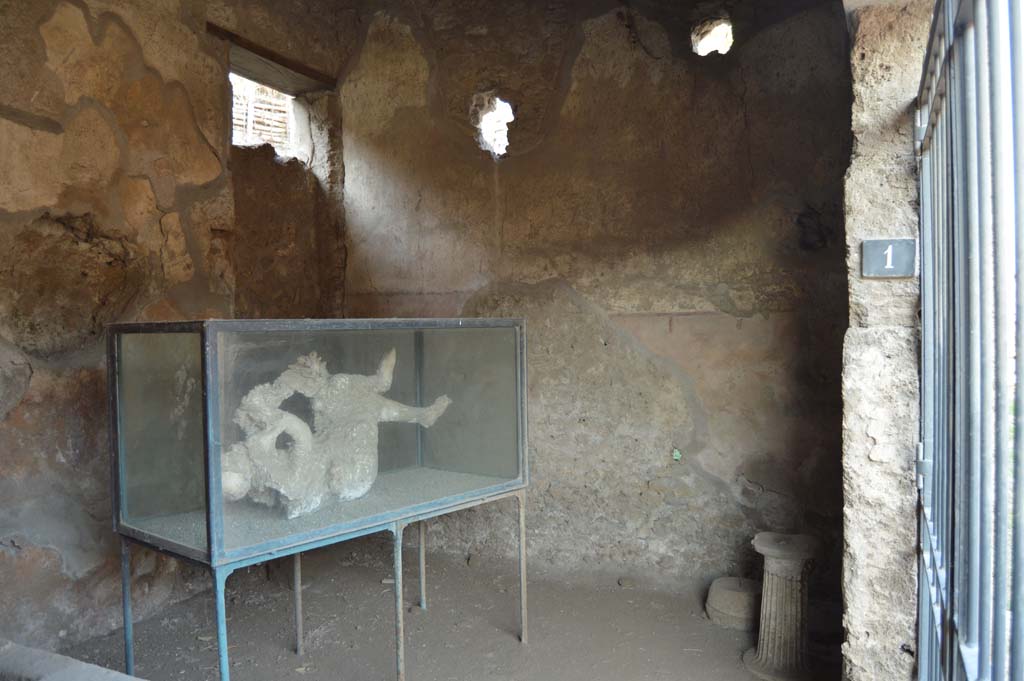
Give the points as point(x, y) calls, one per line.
point(491, 116)
point(712, 35)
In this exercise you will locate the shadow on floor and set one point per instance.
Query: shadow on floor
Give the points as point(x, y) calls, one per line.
point(468, 632)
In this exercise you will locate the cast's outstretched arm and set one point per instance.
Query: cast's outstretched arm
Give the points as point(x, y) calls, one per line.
point(385, 373)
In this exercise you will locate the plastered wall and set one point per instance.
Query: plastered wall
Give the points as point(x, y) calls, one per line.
point(670, 227)
point(292, 238)
point(116, 203)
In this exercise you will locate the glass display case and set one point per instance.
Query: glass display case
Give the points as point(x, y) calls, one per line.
point(235, 442)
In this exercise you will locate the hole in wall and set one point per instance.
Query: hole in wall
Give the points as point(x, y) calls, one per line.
point(712, 35)
point(262, 115)
point(491, 115)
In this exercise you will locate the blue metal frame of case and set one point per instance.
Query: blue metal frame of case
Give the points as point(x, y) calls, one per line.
point(222, 563)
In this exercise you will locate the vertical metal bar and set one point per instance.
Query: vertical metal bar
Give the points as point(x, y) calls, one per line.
point(928, 440)
point(946, 296)
point(297, 588)
point(928, 331)
point(940, 338)
point(1017, 564)
point(211, 446)
point(942, 448)
point(966, 332)
point(399, 609)
point(973, 487)
point(961, 249)
point(522, 417)
point(117, 462)
point(949, 366)
point(1002, 169)
point(949, 352)
point(946, 311)
point(523, 632)
point(220, 578)
point(925, 672)
point(933, 342)
point(987, 336)
point(423, 563)
point(418, 364)
point(937, 339)
point(126, 605)
point(956, 327)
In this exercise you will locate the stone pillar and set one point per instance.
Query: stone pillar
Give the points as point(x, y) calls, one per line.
point(880, 353)
point(781, 652)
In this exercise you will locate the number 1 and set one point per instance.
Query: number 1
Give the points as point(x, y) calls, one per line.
point(888, 258)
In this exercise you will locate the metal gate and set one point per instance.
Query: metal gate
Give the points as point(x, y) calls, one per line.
point(969, 140)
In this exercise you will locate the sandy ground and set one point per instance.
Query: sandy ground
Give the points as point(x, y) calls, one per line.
point(578, 632)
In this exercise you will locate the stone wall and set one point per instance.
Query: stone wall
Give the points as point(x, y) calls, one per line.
point(671, 229)
point(670, 226)
point(289, 264)
point(116, 203)
point(880, 362)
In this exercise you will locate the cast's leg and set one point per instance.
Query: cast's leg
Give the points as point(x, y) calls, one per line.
point(396, 412)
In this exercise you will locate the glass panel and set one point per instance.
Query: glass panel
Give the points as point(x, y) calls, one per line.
point(327, 427)
point(478, 434)
point(160, 426)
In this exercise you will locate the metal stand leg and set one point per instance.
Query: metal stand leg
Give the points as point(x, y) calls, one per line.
point(220, 577)
point(423, 564)
point(297, 585)
point(126, 600)
point(521, 497)
point(399, 611)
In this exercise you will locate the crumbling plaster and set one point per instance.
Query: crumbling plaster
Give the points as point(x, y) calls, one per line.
point(116, 203)
point(320, 34)
point(880, 367)
point(659, 217)
point(655, 210)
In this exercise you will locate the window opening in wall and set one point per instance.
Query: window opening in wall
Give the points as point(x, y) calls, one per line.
point(491, 115)
point(712, 35)
point(262, 115)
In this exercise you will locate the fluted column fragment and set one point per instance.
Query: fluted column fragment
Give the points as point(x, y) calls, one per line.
point(781, 652)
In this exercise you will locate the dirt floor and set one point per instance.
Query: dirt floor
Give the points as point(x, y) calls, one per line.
point(468, 632)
